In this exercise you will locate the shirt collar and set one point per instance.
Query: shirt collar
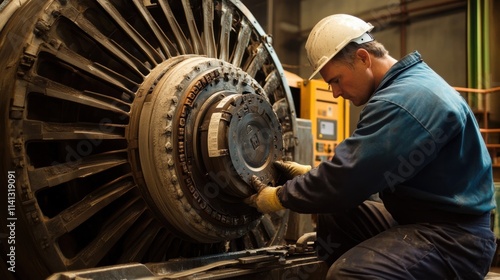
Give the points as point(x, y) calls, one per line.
point(403, 64)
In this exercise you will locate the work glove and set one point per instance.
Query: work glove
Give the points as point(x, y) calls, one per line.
point(266, 199)
point(292, 169)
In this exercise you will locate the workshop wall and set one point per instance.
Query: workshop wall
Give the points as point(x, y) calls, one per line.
point(440, 36)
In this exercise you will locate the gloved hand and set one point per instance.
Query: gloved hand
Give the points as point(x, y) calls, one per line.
point(292, 169)
point(266, 199)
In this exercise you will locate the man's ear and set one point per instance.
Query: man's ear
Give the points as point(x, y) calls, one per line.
point(364, 56)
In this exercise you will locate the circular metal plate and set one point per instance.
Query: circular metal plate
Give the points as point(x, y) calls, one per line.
point(244, 139)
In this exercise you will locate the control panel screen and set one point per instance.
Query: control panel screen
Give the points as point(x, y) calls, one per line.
point(327, 129)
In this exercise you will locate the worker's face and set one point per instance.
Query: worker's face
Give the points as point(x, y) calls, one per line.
point(353, 82)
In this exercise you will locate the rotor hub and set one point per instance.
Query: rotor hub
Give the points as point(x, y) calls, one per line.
point(205, 129)
point(241, 137)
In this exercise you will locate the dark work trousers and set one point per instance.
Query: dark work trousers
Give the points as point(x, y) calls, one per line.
point(367, 243)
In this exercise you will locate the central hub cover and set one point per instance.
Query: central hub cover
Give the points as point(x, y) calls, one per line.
point(243, 139)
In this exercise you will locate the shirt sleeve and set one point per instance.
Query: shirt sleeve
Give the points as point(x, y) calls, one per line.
point(386, 149)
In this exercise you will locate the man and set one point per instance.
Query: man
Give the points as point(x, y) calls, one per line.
point(417, 145)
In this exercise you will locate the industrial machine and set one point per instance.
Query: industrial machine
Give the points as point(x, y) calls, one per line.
point(130, 129)
point(329, 118)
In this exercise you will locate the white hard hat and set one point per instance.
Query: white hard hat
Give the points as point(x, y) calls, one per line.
point(333, 33)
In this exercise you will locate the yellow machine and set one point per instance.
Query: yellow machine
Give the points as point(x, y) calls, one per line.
point(329, 118)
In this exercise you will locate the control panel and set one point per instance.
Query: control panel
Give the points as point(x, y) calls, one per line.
point(329, 118)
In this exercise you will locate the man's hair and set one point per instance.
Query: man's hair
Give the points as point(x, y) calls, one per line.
point(348, 53)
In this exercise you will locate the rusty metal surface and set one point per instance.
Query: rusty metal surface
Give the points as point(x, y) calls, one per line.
point(108, 109)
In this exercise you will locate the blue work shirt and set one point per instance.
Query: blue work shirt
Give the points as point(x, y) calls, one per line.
point(417, 144)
